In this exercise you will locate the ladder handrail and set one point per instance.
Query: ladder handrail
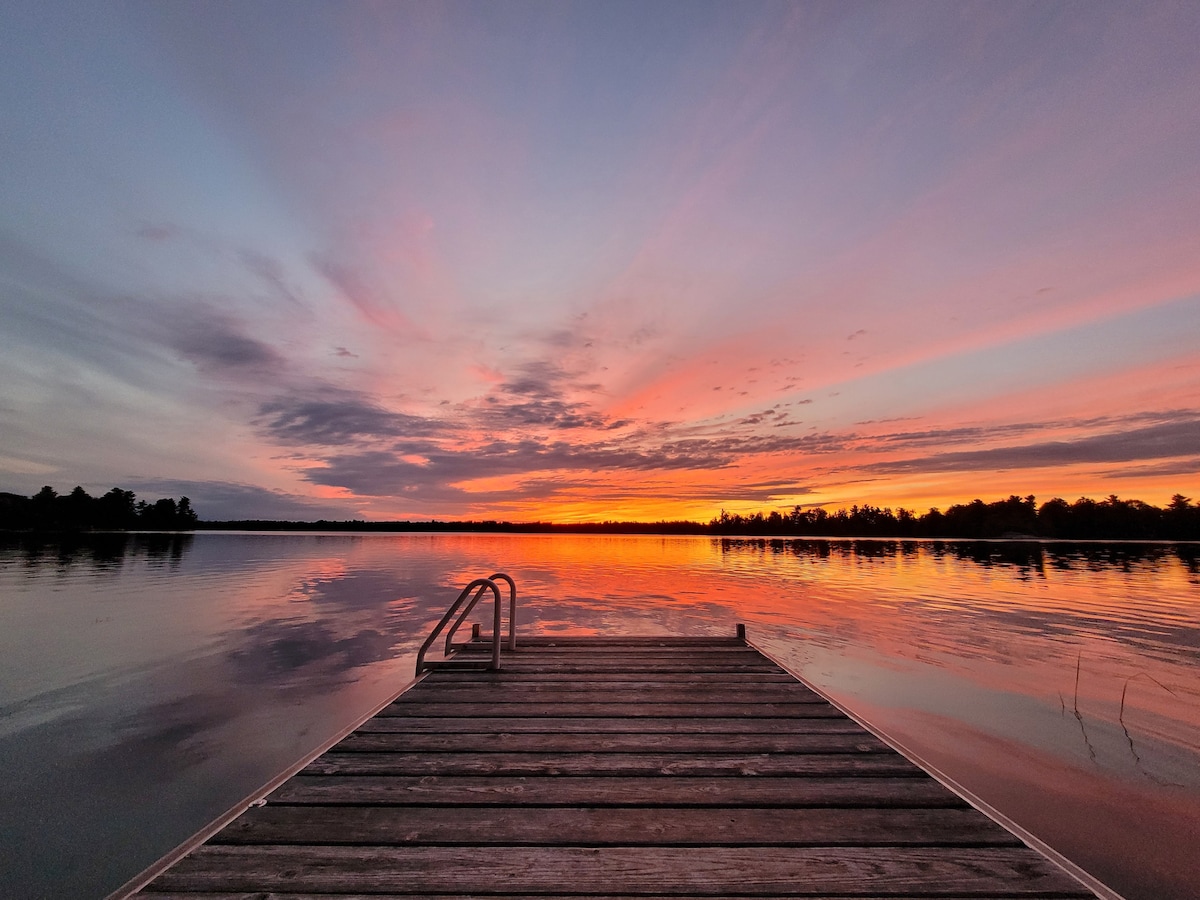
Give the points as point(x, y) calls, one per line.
point(482, 584)
point(512, 615)
point(479, 586)
point(461, 618)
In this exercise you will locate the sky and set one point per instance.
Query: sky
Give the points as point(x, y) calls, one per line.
point(589, 261)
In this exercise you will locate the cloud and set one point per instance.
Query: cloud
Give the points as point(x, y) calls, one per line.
point(226, 500)
point(332, 416)
point(545, 413)
point(775, 417)
point(428, 470)
point(978, 434)
point(158, 232)
point(1160, 441)
point(216, 343)
point(1186, 467)
point(17, 466)
point(537, 398)
point(383, 473)
point(271, 273)
point(370, 303)
point(540, 378)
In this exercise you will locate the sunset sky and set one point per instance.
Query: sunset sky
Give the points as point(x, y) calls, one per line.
point(583, 261)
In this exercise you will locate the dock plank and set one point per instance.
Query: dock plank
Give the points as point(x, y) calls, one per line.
point(290, 895)
point(510, 677)
point(639, 668)
point(595, 726)
point(610, 710)
point(610, 764)
point(671, 790)
point(551, 742)
point(611, 769)
point(587, 693)
point(666, 871)
point(620, 826)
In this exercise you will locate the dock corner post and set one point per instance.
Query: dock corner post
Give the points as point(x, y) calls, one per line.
point(741, 631)
point(475, 632)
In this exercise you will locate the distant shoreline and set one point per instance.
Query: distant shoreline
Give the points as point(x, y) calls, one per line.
point(1014, 518)
point(683, 529)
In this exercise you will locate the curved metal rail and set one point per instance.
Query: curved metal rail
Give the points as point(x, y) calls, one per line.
point(512, 615)
point(475, 591)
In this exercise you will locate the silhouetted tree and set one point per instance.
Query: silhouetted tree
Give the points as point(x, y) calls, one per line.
point(79, 511)
point(117, 510)
point(1015, 516)
point(185, 516)
point(1054, 518)
point(1182, 519)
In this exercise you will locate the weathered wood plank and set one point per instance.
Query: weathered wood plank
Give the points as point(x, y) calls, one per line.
point(612, 764)
point(613, 769)
point(693, 656)
point(608, 826)
point(719, 871)
point(857, 741)
point(609, 710)
point(671, 790)
point(588, 693)
point(595, 648)
point(610, 640)
point(595, 726)
point(291, 895)
point(582, 669)
point(599, 649)
point(507, 676)
point(612, 651)
point(741, 657)
point(520, 683)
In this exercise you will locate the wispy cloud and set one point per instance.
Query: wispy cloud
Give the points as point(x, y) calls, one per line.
point(225, 500)
point(373, 303)
point(329, 416)
point(217, 343)
point(1152, 442)
point(594, 259)
point(271, 273)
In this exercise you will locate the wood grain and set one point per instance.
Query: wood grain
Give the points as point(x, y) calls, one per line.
point(718, 871)
point(610, 710)
point(818, 742)
point(448, 725)
point(614, 826)
point(678, 790)
point(612, 769)
point(611, 764)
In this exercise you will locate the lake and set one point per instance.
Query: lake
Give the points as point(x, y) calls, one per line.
point(150, 682)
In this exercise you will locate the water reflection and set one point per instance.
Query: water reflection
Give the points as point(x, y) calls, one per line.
point(151, 681)
point(95, 551)
point(1025, 556)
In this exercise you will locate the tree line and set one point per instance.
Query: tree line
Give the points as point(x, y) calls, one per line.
point(118, 510)
point(1014, 517)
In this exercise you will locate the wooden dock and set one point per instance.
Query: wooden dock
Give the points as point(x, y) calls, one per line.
point(606, 768)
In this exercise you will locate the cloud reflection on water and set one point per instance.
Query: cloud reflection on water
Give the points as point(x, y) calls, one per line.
point(210, 663)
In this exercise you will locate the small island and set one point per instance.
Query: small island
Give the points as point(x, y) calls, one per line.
point(118, 510)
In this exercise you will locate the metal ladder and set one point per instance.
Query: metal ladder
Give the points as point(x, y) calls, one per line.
point(474, 591)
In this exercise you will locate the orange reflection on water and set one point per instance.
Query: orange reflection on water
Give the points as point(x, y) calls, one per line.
point(957, 647)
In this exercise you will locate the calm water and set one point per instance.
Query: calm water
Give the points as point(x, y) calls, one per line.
point(148, 684)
